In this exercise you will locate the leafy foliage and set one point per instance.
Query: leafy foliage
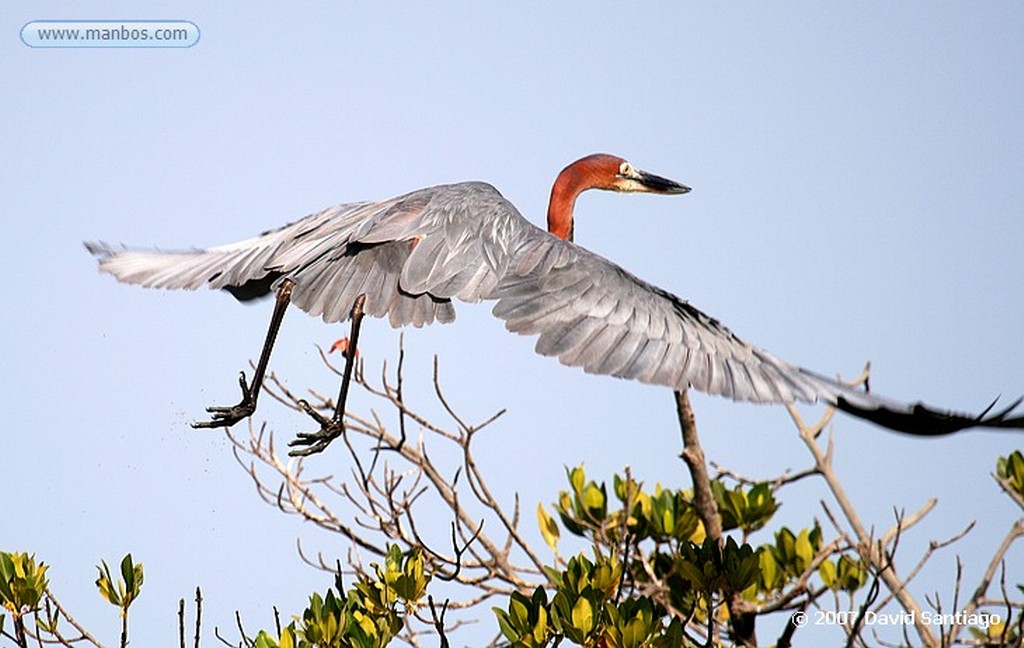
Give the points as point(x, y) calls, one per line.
point(747, 509)
point(1011, 470)
point(369, 615)
point(587, 610)
point(122, 591)
point(23, 582)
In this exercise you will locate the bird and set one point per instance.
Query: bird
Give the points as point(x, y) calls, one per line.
point(414, 255)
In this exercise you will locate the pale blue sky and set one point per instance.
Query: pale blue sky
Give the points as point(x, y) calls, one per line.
point(857, 197)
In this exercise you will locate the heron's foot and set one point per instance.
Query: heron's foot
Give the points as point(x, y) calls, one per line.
point(310, 443)
point(228, 416)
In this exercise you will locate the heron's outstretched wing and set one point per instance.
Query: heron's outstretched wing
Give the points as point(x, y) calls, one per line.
point(410, 255)
point(591, 313)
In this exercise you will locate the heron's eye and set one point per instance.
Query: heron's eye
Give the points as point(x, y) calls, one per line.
point(625, 169)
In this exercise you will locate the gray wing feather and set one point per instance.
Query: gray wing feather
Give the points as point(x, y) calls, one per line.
point(410, 255)
point(591, 313)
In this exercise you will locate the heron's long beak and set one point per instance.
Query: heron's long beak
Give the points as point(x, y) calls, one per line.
point(637, 180)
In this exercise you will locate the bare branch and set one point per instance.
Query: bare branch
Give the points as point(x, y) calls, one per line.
point(776, 482)
point(871, 552)
point(904, 523)
point(71, 620)
point(978, 598)
point(385, 497)
point(693, 455)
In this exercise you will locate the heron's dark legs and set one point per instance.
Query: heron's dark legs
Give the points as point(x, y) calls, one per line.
point(228, 416)
point(331, 428)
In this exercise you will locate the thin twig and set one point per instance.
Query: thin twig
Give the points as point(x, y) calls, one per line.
point(70, 619)
point(199, 615)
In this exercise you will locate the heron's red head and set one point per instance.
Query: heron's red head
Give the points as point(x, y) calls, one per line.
point(599, 171)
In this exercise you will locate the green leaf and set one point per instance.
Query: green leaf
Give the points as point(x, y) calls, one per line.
point(287, 639)
point(804, 550)
point(526, 622)
point(594, 500)
point(851, 575)
point(540, 628)
point(583, 616)
point(1011, 469)
point(504, 624)
point(694, 574)
point(107, 586)
point(127, 573)
point(548, 528)
point(577, 478)
point(827, 571)
point(605, 577)
point(668, 522)
point(518, 609)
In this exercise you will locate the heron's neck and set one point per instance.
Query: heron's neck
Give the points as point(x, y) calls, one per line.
point(567, 187)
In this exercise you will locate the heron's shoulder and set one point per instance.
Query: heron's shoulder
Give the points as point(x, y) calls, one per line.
point(465, 199)
point(468, 189)
point(459, 196)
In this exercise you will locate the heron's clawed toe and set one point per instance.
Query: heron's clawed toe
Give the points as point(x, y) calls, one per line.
point(310, 443)
point(228, 416)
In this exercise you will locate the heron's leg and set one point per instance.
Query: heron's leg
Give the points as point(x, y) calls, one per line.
point(228, 416)
point(332, 428)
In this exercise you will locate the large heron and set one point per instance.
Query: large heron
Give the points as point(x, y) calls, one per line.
point(411, 256)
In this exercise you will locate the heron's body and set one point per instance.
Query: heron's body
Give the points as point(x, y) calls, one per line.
point(413, 255)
